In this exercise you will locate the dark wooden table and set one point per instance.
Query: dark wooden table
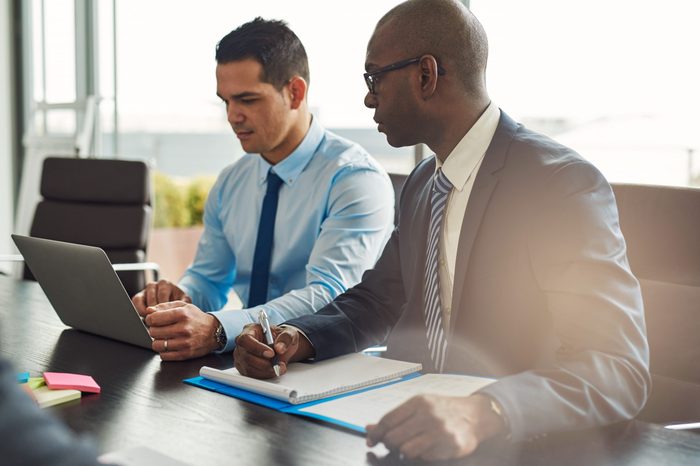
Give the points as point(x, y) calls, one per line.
point(144, 402)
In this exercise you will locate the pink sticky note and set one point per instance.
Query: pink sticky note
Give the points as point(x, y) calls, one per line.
point(62, 380)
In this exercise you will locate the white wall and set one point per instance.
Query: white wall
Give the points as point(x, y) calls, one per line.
point(6, 128)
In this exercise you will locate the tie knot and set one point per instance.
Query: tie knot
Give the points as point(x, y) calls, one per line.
point(441, 184)
point(273, 181)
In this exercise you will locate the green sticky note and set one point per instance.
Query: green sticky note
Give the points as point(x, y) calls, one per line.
point(36, 382)
point(46, 397)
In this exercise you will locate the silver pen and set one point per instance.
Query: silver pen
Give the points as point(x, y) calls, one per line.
point(265, 324)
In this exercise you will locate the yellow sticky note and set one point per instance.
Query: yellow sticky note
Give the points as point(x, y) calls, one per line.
point(47, 397)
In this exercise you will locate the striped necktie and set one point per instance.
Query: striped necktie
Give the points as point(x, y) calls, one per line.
point(437, 340)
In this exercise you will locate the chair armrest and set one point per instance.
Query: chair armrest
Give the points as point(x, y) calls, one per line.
point(126, 267)
point(136, 266)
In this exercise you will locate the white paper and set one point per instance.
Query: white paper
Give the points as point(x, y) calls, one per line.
point(304, 382)
point(368, 407)
point(139, 456)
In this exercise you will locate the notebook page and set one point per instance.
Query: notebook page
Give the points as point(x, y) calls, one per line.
point(369, 407)
point(311, 381)
point(234, 378)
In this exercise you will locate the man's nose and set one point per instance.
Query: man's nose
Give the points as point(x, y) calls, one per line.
point(370, 100)
point(234, 115)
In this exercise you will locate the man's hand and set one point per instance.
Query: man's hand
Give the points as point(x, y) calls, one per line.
point(253, 357)
point(158, 292)
point(436, 427)
point(181, 330)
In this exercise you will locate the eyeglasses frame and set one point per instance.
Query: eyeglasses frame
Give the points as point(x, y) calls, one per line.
point(370, 75)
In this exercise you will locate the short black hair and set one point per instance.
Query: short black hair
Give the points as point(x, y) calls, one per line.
point(272, 44)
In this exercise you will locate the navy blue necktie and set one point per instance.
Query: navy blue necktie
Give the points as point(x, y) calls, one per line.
point(260, 274)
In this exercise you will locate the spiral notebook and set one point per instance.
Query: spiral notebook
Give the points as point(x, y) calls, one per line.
point(305, 382)
point(349, 391)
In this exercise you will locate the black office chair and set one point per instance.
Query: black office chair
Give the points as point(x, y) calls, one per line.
point(661, 226)
point(99, 202)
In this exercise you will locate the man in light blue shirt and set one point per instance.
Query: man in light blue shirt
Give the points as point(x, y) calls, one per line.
point(329, 214)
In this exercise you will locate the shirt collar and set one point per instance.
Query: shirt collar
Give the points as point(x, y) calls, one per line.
point(291, 167)
point(467, 154)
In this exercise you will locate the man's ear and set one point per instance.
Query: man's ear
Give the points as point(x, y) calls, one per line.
point(428, 75)
point(297, 91)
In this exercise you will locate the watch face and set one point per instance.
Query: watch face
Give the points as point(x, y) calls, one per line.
point(220, 336)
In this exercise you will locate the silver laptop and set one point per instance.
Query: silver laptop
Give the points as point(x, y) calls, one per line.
point(84, 289)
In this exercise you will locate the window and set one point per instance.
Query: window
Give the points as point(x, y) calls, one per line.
point(166, 88)
point(616, 81)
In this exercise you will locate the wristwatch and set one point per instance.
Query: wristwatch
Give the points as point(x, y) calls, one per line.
point(496, 408)
point(220, 337)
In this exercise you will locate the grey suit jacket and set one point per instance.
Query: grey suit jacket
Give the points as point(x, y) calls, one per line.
point(543, 297)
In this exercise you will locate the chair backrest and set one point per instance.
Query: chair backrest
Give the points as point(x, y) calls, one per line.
point(661, 225)
point(397, 181)
point(97, 202)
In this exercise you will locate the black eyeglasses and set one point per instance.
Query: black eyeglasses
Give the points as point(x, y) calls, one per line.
point(371, 76)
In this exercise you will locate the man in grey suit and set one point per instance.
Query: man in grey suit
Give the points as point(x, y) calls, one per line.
point(508, 260)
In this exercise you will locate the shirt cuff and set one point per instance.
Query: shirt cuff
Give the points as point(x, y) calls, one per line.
point(233, 321)
point(304, 335)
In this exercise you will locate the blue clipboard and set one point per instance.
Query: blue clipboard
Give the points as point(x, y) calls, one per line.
point(285, 406)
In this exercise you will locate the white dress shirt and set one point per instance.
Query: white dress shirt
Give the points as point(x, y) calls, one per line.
point(460, 167)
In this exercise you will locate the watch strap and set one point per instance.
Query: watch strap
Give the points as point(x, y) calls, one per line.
point(220, 336)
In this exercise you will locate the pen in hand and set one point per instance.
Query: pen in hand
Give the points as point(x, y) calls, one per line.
point(265, 324)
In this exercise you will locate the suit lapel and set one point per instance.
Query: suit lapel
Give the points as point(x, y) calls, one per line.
point(484, 184)
point(420, 223)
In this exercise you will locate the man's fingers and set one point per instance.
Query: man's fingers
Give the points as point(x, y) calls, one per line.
point(139, 303)
point(162, 332)
point(161, 291)
point(176, 349)
point(169, 345)
point(260, 365)
point(398, 435)
point(164, 291)
point(251, 365)
point(418, 446)
point(395, 417)
point(149, 294)
point(167, 314)
point(169, 305)
point(178, 294)
point(252, 356)
point(250, 342)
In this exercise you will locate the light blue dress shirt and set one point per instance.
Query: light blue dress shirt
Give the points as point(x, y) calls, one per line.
point(335, 213)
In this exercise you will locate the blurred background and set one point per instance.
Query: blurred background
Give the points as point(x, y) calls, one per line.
point(134, 79)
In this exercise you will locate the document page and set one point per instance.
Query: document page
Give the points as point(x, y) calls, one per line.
point(369, 406)
point(139, 456)
point(305, 382)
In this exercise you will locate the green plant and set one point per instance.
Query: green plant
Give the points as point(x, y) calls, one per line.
point(180, 202)
point(196, 197)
